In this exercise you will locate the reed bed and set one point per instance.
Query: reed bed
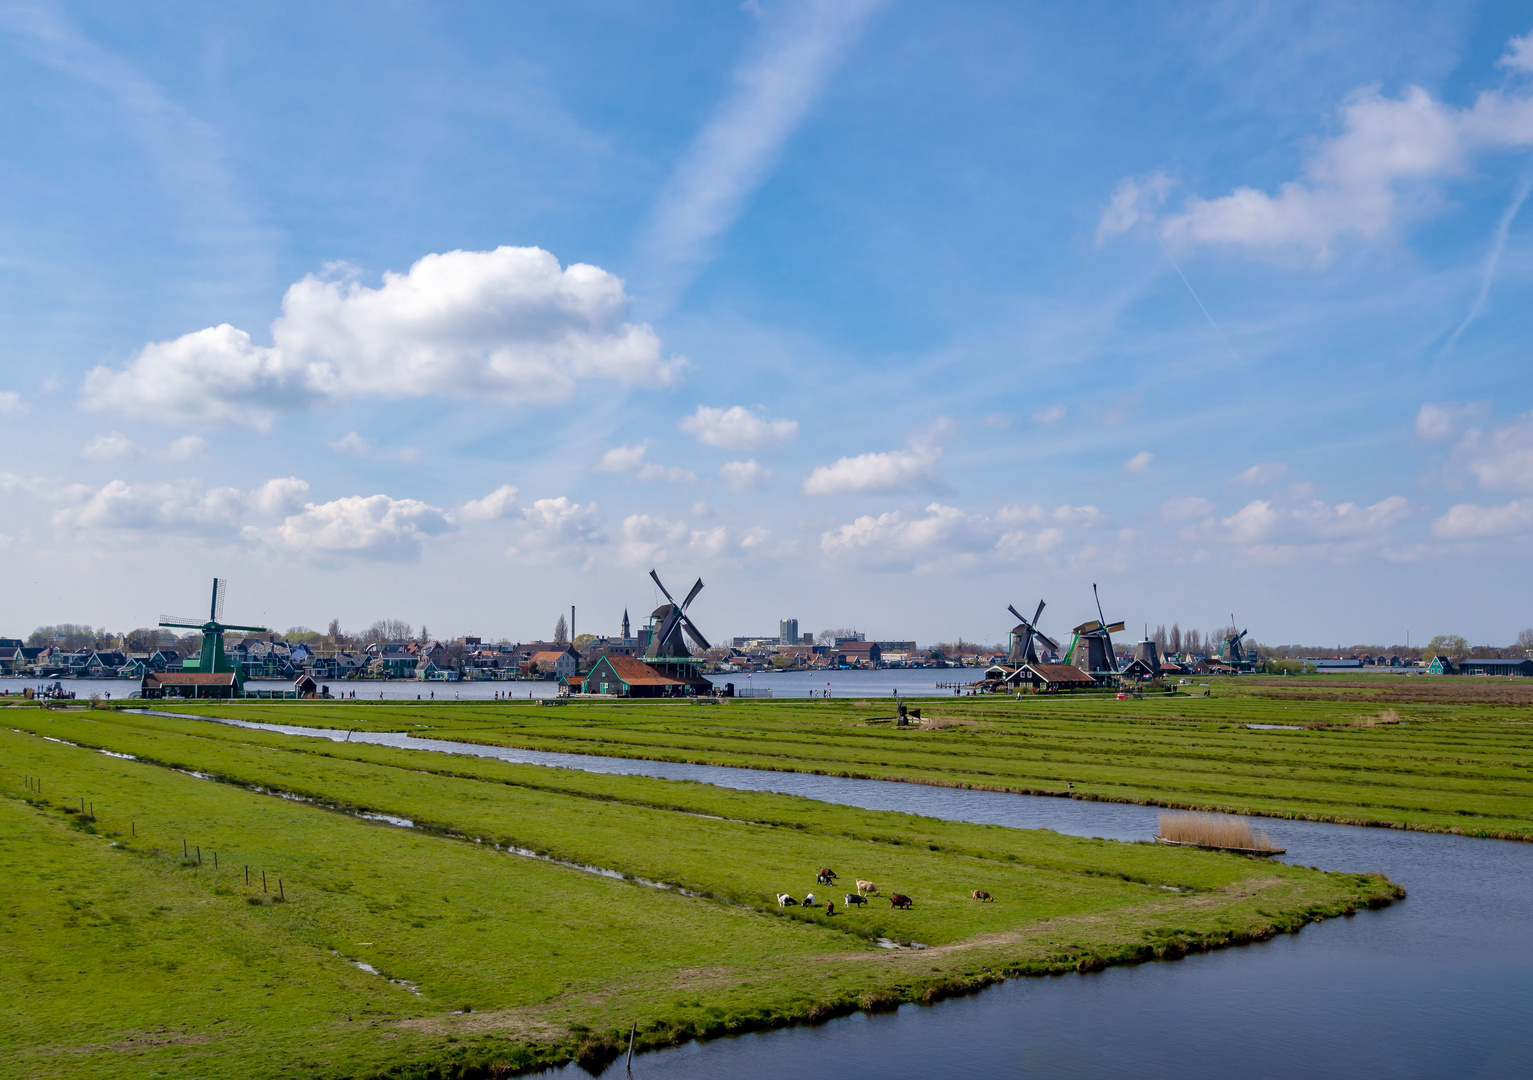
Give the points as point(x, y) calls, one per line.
point(1214, 830)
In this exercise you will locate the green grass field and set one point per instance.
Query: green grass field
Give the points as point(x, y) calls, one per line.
point(1437, 754)
point(122, 958)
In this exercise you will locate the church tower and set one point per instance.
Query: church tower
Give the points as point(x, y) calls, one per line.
point(626, 635)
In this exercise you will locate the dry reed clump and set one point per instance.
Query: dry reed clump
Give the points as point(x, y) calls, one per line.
point(1213, 830)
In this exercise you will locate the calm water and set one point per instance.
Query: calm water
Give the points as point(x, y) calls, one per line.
point(910, 682)
point(1439, 985)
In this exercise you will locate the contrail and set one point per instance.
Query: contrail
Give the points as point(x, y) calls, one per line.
point(1194, 292)
point(1503, 227)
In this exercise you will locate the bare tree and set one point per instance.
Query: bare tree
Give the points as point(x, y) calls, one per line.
point(389, 630)
point(142, 640)
point(828, 637)
point(1525, 639)
point(1175, 641)
point(65, 635)
point(561, 631)
point(333, 631)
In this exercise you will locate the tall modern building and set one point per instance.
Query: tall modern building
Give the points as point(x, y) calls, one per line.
point(787, 632)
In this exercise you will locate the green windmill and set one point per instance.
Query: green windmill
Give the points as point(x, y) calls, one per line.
point(212, 659)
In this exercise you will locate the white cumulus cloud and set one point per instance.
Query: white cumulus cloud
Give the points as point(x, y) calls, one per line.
point(630, 460)
point(554, 528)
point(508, 325)
point(649, 539)
point(494, 506)
point(371, 526)
point(877, 473)
point(1444, 420)
point(1467, 521)
point(179, 507)
point(1314, 521)
point(1140, 462)
point(946, 534)
point(1519, 54)
point(108, 447)
point(737, 428)
point(1501, 458)
point(1357, 183)
point(745, 475)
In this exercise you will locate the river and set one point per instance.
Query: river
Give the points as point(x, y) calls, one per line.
point(1438, 985)
point(880, 682)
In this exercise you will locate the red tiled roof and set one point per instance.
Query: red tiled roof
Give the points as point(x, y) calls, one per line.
point(636, 672)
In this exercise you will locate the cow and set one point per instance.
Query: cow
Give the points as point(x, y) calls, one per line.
point(981, 894)
point(784, 900)
point(867, 888)
point(900, 900)
point(825, 876)
point(854, 899)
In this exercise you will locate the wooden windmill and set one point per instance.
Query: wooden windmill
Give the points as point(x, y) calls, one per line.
point(212, 659)
point(670, 626)
point(1232, 650)
point(1025, 637)
point(1092, 649)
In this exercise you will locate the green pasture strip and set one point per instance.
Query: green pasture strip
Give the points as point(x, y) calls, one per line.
point(775, 842)
point(1444, 766)
point(190, 978)
point(128, 960)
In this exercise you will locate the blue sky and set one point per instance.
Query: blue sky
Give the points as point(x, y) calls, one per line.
point(871, 314)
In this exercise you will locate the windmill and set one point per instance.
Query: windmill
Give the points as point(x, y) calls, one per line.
point(212, 659)
point(1092, 649)
point(1025, 636)
point(1232, 651)
point(670, 626)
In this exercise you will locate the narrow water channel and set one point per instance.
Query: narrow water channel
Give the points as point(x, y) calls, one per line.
point(1439, 985)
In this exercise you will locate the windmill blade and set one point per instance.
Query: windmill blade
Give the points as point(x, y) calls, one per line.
point(694, 633)
point(247, 629)
point(1039, 613)
point(1087, 628)
point(220, 594)
point(1115, 628)
point(693, 594)
point(663, 589)
point(1017, 614)
point(1050, 642)
point(181, 620)
point(1100, 617)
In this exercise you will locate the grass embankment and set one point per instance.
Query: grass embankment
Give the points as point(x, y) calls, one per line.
point(1442, 755)
point(122, 958)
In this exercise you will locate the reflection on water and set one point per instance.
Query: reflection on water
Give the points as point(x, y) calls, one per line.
point(1438, 985)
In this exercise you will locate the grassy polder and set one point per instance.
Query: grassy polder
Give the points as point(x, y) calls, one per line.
point(1435, 754)
point(124, 960)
